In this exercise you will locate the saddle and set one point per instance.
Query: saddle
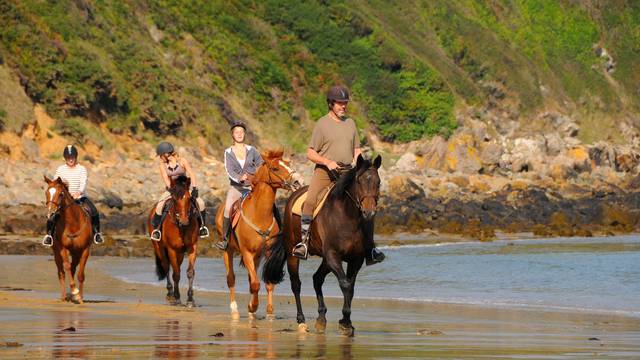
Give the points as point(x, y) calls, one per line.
point(297, 205)
point(85, 207)
point(234, 213)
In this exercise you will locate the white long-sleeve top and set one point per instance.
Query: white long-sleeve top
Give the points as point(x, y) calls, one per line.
point(75, 176)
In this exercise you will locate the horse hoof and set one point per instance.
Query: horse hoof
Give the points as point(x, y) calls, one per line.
point(271, 317)
point(303, 328)
point(347, 330)
point(321, 325)
point(191, 304)
point(252, 315)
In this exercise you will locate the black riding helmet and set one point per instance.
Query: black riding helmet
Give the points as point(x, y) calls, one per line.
point(236, 124)
point(164, 148)
point(70, 152)
point(337, 93)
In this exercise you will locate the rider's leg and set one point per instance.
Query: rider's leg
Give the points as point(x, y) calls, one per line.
point(157, 216)
point(319, 181)
point(51, 225)
point(203, 231)
point(95, 221)
point(233, 194)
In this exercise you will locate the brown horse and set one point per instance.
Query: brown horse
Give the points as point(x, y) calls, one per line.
point(342, 231)
point(72, 237)
point(257, 227)
point(179, 236)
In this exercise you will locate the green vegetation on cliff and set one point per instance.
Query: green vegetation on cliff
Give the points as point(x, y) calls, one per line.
point(169, 67)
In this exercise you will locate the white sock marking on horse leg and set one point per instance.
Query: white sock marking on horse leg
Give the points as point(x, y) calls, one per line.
point(234, 306)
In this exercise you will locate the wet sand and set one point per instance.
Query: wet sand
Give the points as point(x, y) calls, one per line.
point(122, 320)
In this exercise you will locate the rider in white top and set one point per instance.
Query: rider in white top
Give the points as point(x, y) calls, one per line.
point(75, 176)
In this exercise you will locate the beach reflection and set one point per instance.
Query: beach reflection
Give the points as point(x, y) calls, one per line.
point(258, 344)
point(70, 339)
point(174, 340)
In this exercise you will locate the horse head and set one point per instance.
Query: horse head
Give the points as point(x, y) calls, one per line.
point(276, 172)
point(181, 199)
point(55, 195)
point(362, 185)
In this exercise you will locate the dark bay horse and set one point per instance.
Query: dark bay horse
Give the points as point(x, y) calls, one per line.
point(342, 231)
point(257, 227)
point(179, 236)
point(72, 237)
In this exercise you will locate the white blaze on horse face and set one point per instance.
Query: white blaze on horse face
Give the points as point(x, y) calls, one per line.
point(285, 166)
point(52, 193)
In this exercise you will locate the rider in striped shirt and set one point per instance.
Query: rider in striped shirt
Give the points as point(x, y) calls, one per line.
point(75, 175)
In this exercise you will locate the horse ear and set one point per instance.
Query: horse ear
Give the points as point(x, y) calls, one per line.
point(47, 180)
point(377, 162)
point(359, 161)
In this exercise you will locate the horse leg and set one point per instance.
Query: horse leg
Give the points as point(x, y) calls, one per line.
point(292, 265)
point(231, 283)
point(254, 282)
point(61, 275)
point(67, 269)
point(270, 287)
point(318, 281)
point(83, 263)
point(346, 285)
point(75, 295)
point(191, 273)
point(175, 258)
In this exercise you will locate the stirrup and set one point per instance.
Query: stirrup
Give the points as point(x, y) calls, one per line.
point(156, 235)
point(97, 238)
point(298, 246)
point(47, 243)
point(222, 245)
point(204, 232)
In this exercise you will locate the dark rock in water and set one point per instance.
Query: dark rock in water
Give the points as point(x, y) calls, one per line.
point(594, 339)
point(112, 200)
point(218, 334)
point(69, 329)
point(12, 344)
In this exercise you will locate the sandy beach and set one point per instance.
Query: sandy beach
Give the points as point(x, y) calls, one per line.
point(123, 320)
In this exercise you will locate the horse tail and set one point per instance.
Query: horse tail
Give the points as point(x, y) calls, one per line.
point(273, 269)
point(159, 268)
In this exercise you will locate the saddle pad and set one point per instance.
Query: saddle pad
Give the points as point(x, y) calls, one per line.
point(297, 205)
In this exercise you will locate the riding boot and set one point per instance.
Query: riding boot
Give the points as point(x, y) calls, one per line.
point(203, 232)
point(226, 230)
point(95, 224)
point(301, 249)
point(51, 224)
point(375, 256)
point(155, 223)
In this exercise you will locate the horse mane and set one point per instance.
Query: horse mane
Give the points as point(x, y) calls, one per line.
point(347, 178)
point(273, 154)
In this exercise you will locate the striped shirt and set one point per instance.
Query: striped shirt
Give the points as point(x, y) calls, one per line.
point(75, 177)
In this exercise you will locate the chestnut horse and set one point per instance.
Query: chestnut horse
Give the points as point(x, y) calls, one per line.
point(342, 231)
point(257, 227)
point(179, 236)
point(72, 237)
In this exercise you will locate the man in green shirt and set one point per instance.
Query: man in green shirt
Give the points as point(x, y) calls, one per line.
point(334, 141)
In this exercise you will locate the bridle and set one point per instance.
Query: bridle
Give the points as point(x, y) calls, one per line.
point(358, 201)
point(286, 183)
point(59, 205)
